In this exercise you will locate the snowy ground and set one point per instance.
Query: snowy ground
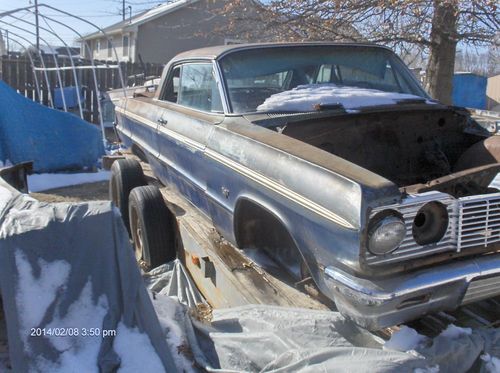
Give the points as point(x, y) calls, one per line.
point(41, 182)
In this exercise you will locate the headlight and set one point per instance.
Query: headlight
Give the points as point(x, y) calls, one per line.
point(386, 232)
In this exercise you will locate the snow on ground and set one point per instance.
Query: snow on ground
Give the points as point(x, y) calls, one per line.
point(304, 97)
point(40, 182)
point(405, 339)
point(135, 351)
point(36, 294)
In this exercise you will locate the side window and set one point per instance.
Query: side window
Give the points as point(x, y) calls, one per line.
point(198, 88)
point(172, 88)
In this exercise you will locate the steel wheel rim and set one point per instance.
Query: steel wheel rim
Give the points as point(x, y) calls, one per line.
point(137, 236)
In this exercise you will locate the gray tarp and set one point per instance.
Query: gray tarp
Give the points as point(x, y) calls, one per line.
point(262, 338)
point(70, 266)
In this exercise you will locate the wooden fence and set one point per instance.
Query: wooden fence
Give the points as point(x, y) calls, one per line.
point(19, 74)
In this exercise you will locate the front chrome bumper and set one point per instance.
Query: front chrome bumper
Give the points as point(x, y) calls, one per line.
point(375, 304)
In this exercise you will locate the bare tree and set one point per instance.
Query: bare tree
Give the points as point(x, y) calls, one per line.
point(434, 27)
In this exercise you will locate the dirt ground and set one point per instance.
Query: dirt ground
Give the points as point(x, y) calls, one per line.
point(78, 193)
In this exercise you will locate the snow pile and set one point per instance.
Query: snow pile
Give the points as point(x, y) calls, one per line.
point(304, 97)
point(135, 351)
point(405, 339)
point(40, 182)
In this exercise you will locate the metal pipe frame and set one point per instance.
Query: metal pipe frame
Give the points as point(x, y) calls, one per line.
point(52, 32)
point(55, 61)
point(49, 88)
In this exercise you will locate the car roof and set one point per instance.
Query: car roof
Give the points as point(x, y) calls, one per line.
point(219, 51)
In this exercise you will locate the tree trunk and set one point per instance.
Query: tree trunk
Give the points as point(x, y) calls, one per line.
point(442, 50)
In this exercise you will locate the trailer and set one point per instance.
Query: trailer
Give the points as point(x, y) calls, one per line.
point(229, 277)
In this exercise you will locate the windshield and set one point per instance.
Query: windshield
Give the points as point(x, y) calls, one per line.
point(252, 76)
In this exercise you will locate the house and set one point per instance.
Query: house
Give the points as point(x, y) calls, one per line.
point(157, 35)
point(493, 93)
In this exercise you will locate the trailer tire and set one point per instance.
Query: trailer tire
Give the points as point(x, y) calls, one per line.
point(126, 174)
point(152, 227)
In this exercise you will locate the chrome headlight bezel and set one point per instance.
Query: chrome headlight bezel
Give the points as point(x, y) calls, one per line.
point(388, 226)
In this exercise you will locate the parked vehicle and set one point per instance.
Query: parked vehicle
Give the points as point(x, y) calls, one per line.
point(334, 160)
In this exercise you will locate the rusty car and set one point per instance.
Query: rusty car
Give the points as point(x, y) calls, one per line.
point(333, 160)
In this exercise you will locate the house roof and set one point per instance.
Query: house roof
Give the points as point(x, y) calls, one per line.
point(141, 18)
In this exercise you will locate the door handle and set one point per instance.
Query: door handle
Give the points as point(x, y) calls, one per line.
point(162, 121)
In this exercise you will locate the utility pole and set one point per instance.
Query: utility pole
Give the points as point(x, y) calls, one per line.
point(123, 9)
point(37, 28)
point(7, 39)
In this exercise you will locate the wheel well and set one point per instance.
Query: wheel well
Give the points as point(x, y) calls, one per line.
point(256, 227)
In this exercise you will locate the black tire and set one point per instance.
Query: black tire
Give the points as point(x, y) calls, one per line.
point(152, 227)
point(126, 174)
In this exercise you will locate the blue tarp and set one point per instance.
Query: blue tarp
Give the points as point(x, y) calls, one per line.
point(70, 98)
point(469, 90)
point(54, 140)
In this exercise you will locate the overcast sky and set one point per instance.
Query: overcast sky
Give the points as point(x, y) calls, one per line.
point(101, 12)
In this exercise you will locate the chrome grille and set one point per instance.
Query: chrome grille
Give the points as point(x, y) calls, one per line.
point(481, 289)
point(473, 221)
point(479, 223)
point(409, 248)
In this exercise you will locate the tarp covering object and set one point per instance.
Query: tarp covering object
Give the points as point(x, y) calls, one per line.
point(260, 338)
point(53, 139)
point(72, 292)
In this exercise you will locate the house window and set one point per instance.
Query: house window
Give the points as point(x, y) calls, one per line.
point(126, 45)
point(98, 46)
point(110, 47)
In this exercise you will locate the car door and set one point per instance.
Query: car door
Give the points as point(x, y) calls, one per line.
point(191, 107)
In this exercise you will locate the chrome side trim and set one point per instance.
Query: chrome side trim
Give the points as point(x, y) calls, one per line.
point(166, 131)
point(241, 169)
point(279, 188)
